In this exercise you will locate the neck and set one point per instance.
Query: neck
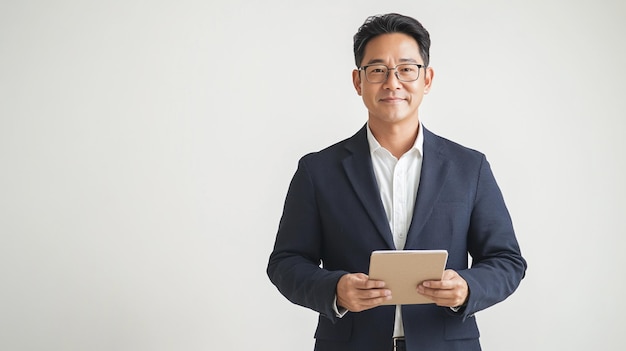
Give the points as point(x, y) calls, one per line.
point(397, 138)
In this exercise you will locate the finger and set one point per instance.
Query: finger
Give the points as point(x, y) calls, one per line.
point(444, 297)
point(438, 284)
point(373, 294)
point(373, 298)
point(440, 294)
point(366, 299)
point(374, 284)
point(449, 280)
point(430, 292)
point(373, 302)
point(441, 297)
point(362, 281)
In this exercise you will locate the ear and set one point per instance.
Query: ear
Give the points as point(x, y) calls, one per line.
point(428, 79)
point(356, 80)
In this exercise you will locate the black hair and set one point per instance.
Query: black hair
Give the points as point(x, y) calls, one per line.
point(391, 23)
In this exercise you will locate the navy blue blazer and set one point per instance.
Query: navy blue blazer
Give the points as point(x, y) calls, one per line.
point(333, 219)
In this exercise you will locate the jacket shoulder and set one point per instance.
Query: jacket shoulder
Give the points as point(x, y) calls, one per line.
point(338, 151)
point(449, 148)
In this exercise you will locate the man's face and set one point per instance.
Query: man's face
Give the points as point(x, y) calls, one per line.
point(392, 101)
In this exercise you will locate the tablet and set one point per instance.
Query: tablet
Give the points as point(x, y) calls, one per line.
point(403, 270)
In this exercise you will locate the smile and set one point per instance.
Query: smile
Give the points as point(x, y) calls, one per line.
point(392, 100)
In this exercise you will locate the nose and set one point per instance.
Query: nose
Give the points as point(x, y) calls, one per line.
point(392, 81)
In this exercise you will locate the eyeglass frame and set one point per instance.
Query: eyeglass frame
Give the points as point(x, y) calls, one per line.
point(395, 69)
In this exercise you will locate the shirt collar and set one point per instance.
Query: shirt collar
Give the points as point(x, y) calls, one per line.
point(417, 145)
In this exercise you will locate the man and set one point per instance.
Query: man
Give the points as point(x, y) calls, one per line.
point(394, 185)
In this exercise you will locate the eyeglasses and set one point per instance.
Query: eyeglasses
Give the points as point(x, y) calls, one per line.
point(405, 72)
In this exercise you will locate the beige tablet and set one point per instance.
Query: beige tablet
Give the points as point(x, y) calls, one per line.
point(404, 270)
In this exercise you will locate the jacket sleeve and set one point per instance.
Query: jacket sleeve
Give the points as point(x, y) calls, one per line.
point(497, 263)
point(294, 264)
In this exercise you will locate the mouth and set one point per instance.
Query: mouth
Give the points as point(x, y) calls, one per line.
point(391, 100)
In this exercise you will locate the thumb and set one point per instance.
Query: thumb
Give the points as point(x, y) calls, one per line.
point(449, 274)
point(359, 279)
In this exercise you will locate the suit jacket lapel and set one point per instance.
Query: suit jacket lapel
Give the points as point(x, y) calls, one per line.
point(360, 172)
point(432, 179)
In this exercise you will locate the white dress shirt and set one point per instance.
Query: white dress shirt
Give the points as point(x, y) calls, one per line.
point(398, 180)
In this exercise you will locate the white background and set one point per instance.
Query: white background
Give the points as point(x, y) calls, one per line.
point(146, 148)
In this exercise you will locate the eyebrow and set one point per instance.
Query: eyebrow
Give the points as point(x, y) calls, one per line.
point(381, 61)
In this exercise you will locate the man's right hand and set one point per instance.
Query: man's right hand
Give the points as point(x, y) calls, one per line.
point(356, 292)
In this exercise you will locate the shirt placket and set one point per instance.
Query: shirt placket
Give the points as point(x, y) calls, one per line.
point(399, 191)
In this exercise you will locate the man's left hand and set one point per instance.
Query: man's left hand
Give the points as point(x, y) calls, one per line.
point(450, 291)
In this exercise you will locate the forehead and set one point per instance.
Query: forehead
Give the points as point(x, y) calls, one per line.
point(391, 47)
